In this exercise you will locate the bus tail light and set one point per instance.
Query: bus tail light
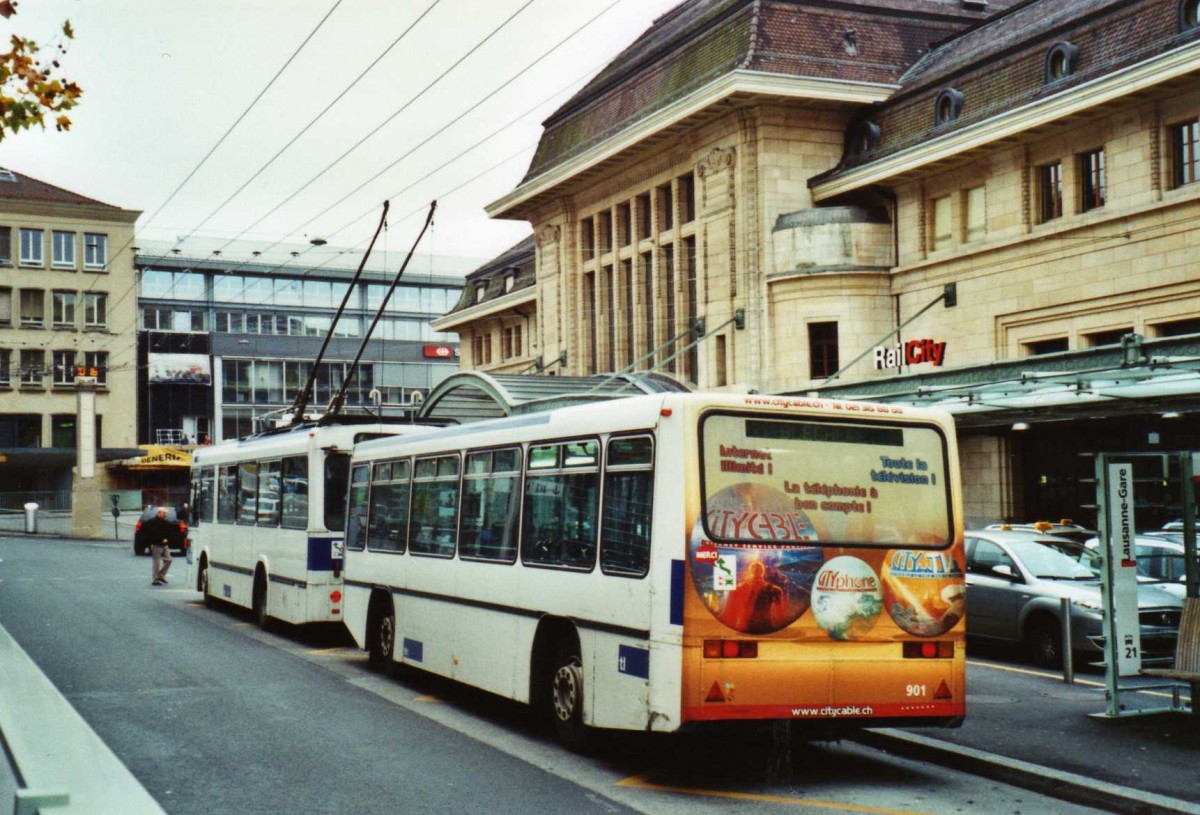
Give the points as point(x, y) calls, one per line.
point(335, 596)
point(940, 649)
point(730, 649)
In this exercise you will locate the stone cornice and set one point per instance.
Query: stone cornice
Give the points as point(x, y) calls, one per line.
point(736, 82)
point(75, 212)
point(1126, 82)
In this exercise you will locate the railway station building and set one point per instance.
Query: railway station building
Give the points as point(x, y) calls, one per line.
point(988, 207)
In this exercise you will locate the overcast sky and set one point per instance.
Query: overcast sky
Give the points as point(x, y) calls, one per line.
point(163, 80)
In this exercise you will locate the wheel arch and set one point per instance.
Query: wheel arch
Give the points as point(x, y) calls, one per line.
point(553, 633)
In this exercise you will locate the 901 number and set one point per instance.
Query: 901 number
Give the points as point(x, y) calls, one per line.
point(914, 690)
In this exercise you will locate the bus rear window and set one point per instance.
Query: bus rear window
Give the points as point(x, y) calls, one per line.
point(787, 481)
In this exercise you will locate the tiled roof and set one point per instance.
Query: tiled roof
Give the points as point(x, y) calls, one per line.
point(702, 40)
point(25, 188)
point(1000, 64)
point(520, 258)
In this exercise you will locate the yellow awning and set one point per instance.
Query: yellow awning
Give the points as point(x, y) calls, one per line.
point(158, 457)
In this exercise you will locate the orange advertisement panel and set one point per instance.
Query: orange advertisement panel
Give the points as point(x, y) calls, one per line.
point(828, 543)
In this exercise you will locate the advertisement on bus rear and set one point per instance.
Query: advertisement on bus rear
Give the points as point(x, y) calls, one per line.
point(827, 533)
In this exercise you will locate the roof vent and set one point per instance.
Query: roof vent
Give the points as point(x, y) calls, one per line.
point(7, 175)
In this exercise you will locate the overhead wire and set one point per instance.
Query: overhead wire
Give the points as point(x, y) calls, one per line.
point(436, 133)
point(458, 118)
point(317, 118)
point(244, 113)
point(396, 113)
point(253, 103)
point(507, 159)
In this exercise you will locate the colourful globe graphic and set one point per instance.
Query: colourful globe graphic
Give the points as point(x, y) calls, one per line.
point(762, 582)
point(923, 592)
point(847, 598)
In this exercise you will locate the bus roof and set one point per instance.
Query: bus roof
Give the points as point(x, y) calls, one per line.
point(293, 440)
point(644, 411)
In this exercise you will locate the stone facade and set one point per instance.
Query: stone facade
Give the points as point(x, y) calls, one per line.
point(1042, 164)
point(67, 298)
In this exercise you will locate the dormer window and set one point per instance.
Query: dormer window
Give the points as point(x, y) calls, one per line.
point(866, 137)
point(510, 282)
point(1061, 61)
point(1189, 15)
point(7, 175)
point(948, 106)
point(480, 291)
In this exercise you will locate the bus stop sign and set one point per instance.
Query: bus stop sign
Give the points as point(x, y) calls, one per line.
point(1120, 573)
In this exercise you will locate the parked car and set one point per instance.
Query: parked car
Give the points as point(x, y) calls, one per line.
point(142, 546)
point(1066, 528)
point(1159, 561)
point(1016, 581)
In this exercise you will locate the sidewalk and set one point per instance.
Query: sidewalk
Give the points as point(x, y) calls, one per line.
point(1026, 727)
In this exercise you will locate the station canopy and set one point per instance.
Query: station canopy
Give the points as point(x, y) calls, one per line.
point(470, 396)
point(1137, 375)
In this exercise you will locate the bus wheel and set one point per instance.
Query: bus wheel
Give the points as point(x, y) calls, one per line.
point(258, 605)
point(566, 689)
point(382, 646)
point(202, 584)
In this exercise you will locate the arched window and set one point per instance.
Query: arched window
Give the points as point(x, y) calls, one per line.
point(1061, 61)
point(948, 106)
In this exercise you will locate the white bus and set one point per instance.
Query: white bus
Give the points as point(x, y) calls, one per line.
point(267, 520)
point(670, 559)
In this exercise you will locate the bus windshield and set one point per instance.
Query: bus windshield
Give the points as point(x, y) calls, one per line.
point(787, 481)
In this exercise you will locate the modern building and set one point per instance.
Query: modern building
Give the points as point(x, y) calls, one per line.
point(986, 206)
point(68, 299)
point(229, 336)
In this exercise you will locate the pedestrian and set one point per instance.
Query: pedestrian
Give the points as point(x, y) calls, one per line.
point(162, 534)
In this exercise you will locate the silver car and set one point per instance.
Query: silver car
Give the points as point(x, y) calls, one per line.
point(1160, 560)
point(1015, 584)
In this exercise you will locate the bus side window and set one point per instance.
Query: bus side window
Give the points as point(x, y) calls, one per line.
point(626, 518)
point(487, 525)
point(202, 496)
point(387, 519)
point(227, 494)
point(561, 505)
point(295, 492)
point(434, 506)
point(268, 493)
point(360, 493)
point(247, 500)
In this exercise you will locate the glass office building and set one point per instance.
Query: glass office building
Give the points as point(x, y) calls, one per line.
point(228, 338)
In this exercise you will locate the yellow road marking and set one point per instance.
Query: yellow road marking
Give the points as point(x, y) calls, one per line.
point(1091, 683)
point(640, 782)
point(348, 654)
point(427, 699)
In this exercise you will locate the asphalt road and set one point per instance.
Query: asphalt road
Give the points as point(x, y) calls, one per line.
point(213, 715)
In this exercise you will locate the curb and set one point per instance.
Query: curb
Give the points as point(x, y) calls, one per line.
point(1065, 786)
point(57, 761)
